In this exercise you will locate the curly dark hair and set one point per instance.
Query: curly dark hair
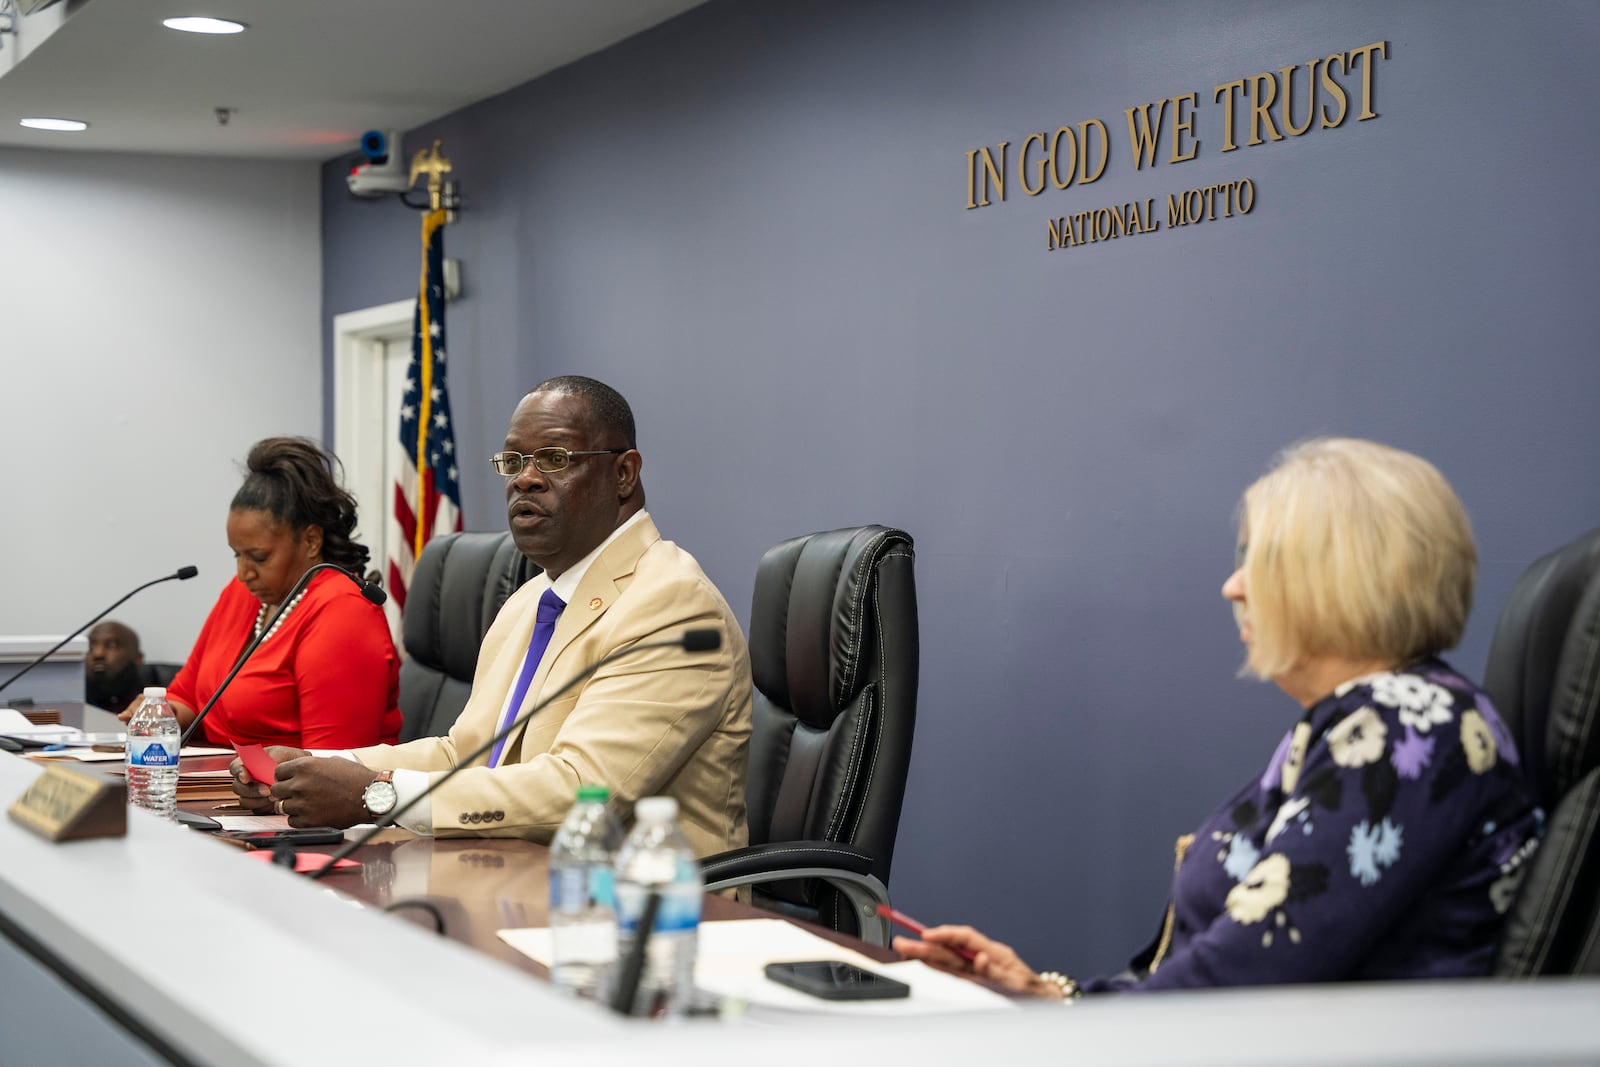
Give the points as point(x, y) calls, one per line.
point(293, 480)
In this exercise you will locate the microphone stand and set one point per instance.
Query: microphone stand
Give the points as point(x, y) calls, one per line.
point(368, 590)
point(182, 574)
point(691, 641)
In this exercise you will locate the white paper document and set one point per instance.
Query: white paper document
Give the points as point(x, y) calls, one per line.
point(15, 724)
point(253, 822)
point(89, 755)
point(733, 956)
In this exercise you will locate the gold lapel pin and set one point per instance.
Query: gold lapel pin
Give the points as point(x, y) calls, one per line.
point(594, 605)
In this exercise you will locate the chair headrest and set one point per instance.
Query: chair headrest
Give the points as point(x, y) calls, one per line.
point(1544, 666)
point(458, 586)
point(812, 620)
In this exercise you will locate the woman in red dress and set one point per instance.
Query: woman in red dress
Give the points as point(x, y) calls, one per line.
point(326, 676)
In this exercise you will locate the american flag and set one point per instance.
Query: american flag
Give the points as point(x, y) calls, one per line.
point(427, 492)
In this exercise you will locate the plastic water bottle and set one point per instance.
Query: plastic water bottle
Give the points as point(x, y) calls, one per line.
point(153, 755)
point(657, 859)
point(583, 918)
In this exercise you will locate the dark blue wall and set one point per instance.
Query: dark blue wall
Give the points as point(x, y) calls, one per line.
point(751, 220)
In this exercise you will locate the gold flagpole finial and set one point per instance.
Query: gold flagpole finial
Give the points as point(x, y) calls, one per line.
point(435, 165)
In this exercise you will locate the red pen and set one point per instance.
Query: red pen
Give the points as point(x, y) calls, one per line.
point(900, 918)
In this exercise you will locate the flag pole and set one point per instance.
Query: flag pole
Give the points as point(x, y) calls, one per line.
point(427, 500)
point(435, 165)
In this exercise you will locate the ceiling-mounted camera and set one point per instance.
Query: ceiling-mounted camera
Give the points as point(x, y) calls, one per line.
point(385, 172)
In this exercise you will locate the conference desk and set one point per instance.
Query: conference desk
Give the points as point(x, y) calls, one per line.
point(475, 886)
point(163, 946)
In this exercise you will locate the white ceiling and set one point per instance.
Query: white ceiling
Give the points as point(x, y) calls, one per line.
point(306, 79)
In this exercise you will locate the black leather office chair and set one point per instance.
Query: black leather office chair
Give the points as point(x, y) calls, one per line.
point(1544, 677)
point(834, 657)
point(457, 588)
point(159, 672)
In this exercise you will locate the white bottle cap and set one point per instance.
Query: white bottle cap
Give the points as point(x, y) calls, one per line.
point(656, 809)
point(155, 692)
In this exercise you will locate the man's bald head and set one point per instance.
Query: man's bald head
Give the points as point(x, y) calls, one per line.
point(112, 647)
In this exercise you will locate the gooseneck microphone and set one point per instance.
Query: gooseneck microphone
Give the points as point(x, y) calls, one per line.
point(690, 641)
point(182, 574)
point(369, 590)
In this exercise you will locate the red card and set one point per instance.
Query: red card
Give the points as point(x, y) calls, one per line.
point(260, 765)
point(304, 862)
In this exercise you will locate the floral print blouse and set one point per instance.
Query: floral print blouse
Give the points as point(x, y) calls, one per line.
point(1386, 840)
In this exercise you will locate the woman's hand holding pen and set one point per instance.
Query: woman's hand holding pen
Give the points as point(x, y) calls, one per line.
point(945, 947)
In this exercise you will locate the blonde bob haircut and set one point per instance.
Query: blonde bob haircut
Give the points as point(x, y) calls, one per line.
point(1354, 549)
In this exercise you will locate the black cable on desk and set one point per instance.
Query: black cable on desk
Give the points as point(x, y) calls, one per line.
point(438, 916)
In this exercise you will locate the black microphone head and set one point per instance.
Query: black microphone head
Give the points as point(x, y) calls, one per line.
point(369, 589)
point(701, 640)
point(185, 573)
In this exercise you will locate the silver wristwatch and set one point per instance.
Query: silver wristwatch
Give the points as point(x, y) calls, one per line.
point(380, 796)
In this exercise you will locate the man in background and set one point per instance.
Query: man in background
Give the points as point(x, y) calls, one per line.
point(115, 671)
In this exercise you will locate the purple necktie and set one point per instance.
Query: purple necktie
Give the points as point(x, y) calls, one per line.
point(544, 625)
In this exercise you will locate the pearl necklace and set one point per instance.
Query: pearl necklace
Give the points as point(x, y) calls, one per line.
point(261, 616)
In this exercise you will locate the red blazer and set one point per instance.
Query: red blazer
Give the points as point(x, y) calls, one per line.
point(328, 678)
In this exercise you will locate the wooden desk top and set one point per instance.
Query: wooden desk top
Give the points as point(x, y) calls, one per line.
point(478, 885)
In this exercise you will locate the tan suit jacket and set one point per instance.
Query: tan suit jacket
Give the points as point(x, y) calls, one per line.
point(662, 722)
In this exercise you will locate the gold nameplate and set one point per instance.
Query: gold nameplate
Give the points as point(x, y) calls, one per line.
point(68, 803)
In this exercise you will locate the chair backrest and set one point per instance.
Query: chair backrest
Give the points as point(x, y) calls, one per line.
point(834, 657)
point(458, 586)
point(1544, 677)
point(158, 672)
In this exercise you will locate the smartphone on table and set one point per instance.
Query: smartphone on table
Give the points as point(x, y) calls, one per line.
point(834, 980)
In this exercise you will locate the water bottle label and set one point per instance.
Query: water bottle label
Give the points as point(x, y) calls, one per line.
point(602, 887)
point(678, 911)
point(572, 890)
point(567, 894)
point(152, 752)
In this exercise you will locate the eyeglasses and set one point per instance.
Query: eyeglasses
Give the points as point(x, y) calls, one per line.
point(545, 460)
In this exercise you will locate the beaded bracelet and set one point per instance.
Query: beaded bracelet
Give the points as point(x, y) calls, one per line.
point(1068, 987)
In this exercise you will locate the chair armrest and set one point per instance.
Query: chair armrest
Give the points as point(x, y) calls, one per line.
point(765, 860)
point(847, 869)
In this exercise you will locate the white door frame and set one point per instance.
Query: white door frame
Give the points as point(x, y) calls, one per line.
point(358, 407)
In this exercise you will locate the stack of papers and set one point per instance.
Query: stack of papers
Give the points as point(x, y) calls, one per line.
point(205, 785)
point(733, 956)
point(197, 785)
point(74, 751)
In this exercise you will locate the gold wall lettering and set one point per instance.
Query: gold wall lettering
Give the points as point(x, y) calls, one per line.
point(1259, 94)
point(1206, 203)
point(1143, 134)
point(1259, 108)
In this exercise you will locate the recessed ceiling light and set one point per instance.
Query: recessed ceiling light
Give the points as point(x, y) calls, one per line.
point(63, 125)
point(199, 24)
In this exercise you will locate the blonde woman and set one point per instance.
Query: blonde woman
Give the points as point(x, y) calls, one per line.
point(1388, 833)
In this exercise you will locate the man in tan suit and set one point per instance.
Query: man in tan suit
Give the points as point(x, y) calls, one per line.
point(657, 721)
